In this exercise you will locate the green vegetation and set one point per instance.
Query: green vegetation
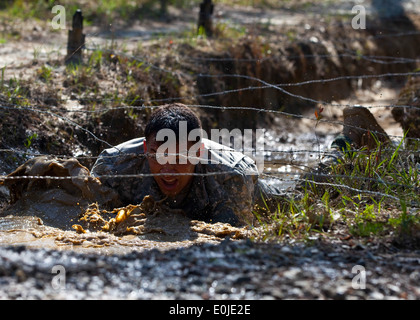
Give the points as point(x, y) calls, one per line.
point(366, 194)
point(111, 10)
point(29, 140)
point(93, 11)
point(15, 91)
point(45, 73)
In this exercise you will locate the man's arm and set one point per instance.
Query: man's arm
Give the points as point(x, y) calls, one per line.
point(114, 160)
point(124, 159)
point(232, 194)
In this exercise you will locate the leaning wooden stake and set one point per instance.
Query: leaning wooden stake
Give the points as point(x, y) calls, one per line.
point(163, 8)
point(205, 19)
point(76, 41)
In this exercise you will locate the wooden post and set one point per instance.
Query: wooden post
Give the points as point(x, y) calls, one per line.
point(204, 18)
point(76, 41)
point(163, 8)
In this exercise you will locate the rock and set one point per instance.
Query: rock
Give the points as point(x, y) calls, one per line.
point(409, 117)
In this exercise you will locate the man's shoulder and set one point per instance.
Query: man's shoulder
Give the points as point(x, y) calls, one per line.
point(121, 158)
point(221, 157)
point(133, 146)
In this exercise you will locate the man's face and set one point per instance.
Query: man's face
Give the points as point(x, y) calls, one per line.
point(169, 184)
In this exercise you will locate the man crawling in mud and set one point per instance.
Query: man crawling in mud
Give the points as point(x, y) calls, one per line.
point(210, 182)
point(223, 186)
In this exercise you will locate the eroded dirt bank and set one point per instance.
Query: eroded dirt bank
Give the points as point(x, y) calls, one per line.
point(218, 72)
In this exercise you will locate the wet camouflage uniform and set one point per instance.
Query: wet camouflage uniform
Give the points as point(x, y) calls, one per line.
point(227, 197)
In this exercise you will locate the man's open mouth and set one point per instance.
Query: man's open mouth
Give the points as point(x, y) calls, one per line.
point(169, 182)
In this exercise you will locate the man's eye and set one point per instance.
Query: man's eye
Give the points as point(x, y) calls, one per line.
point(163, 155)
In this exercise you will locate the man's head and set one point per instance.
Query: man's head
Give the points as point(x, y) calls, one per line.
point(173, 123)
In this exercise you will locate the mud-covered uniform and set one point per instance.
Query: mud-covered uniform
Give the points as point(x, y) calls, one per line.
point(224, 188)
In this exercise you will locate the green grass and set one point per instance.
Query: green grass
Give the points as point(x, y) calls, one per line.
point(367, 194)
point(93, 11)
point(15, 91)
point(111, 10)
point(45, 73)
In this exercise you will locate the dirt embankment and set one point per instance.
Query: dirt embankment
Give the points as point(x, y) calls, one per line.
point(314, 51)
point(319, 51)
point(408, 114)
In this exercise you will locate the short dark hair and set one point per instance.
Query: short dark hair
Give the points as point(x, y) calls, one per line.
point(168, 117)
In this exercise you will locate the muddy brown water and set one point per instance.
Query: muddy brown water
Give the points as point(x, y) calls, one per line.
point(57, 215)
point(48, 213)
point(30, 232)
point(165, 231)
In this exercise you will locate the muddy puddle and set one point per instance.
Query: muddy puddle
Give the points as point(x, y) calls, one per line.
point(64, 210)
point(30, 232)
point(132, 228)
point(68, 214)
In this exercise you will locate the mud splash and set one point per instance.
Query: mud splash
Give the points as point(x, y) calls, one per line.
point(137, 232)
point(67, 214)
point(56, 201)
point(155, 220)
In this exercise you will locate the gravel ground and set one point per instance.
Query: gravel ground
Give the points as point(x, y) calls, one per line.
point(229, 270)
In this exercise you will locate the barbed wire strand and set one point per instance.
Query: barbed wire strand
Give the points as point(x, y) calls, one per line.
point(264, 174)
point(323, 120)
point(375, 59)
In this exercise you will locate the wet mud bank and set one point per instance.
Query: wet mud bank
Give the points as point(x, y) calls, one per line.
point(297, 59)
point(300, 63)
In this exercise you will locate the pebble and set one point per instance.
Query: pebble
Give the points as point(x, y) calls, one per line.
point(232, 270)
